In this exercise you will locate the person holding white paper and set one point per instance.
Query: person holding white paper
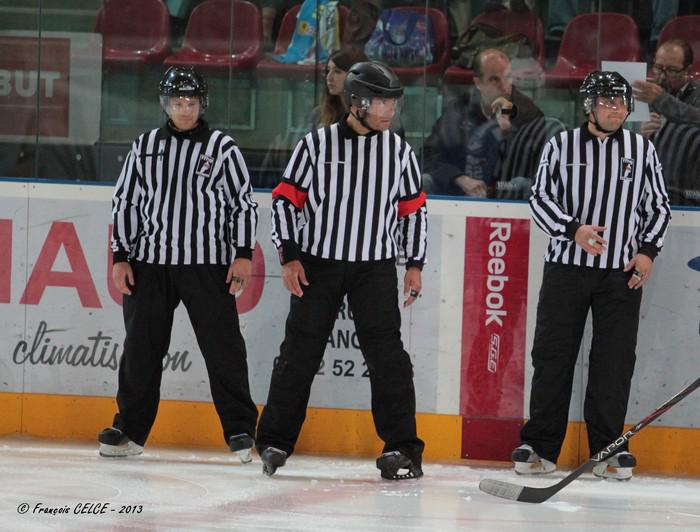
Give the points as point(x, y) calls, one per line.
point(672, 96)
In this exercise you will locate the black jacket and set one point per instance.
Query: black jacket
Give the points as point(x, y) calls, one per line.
point(463, 134)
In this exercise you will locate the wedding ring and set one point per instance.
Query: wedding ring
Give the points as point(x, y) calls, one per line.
point(637, 273)
point(237, 280)
point(414, 293)
point(592, 241)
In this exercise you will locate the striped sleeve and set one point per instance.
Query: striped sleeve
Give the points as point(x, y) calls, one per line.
point(545, 205)
point(413, 214)
point(125, 213)
point(243, 211)
point(656, 206)
point(288, 199)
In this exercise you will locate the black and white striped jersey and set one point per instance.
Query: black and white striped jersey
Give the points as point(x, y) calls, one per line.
point(350, 197)
point(183, 198)
point(616, 182)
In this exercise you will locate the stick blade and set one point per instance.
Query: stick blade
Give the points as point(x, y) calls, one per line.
point(498, 488)
point(515, 492)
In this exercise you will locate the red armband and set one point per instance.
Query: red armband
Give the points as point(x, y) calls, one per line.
point(407, 207)
point(290, 192)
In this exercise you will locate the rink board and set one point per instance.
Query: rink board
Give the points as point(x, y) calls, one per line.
point(468, 336)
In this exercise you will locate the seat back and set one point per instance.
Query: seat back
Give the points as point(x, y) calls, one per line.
point(687, 28)
point(289, 22)
point(223, 27)
point(527, 23)
point(134, 25)
point(590, 38)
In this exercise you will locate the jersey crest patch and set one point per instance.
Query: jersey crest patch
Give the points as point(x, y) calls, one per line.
point(626, 168)
point(205, 165)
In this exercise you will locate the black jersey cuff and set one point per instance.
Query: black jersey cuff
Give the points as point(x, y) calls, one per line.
point(649, 250)
point(244, 253)
point(413, 263)
point(288, 251)
point(120, 256)
point(571, 229)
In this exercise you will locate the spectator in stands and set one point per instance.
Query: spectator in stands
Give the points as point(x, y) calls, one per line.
point(272, 12)
point(462, 150)
point(674, 99)
point(672, 95)
point(333, 106)
point(180, 11)
point(519, 157)
point(331, 109)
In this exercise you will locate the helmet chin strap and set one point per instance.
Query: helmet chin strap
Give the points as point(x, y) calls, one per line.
point(361, 120)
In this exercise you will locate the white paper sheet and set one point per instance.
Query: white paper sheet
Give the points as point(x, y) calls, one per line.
point(631, 71)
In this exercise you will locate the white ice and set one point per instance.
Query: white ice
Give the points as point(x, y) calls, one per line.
point(185, 489)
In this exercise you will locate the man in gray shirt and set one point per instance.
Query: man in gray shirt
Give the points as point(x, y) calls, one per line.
point(674, 127)
point(672, 95)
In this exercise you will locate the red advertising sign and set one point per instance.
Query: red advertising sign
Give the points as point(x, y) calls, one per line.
point(34, 82)
point(493, 335)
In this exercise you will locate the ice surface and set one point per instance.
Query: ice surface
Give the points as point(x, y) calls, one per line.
point(185, 489)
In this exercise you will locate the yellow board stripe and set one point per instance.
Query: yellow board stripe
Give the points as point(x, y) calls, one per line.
point(666, 450)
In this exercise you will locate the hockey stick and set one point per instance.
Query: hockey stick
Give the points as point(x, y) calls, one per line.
point(514, 492)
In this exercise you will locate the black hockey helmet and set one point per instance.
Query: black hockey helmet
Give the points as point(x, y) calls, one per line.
point(183, 82)
point(370, 79)
point(605, 83)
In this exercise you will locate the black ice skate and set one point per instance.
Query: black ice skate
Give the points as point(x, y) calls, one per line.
point(241, 445)
point(392, 462)
point(272, 458)
point(114, 444)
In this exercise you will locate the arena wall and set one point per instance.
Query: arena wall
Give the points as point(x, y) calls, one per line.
point(469, 336)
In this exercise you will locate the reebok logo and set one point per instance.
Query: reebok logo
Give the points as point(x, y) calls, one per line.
point(496, 266)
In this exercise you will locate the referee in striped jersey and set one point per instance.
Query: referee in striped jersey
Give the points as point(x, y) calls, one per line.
point(349, 199)
point(184, 231)
point(600, 196)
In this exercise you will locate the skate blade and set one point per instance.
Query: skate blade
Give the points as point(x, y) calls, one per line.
point(120, 451)
point(614, 473)
point(414, 472)
point(269, 469)
point(244, 455)
point(533, 471)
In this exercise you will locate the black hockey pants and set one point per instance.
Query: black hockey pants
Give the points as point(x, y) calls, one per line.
point(372, 293)
point(567, 293)
point(148, 317)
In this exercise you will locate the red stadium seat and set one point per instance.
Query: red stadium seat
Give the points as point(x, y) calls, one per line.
point(269, 68)
point(589, 39)
point(527, 23)
point(221, 34)
point(687, 28)
point(134, 32)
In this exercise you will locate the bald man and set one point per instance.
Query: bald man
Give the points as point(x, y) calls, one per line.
point(672, 94)
point(463, 147)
